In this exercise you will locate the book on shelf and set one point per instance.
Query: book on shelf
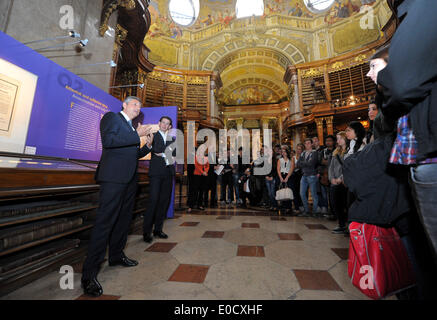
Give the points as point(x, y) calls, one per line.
point(29, 208)
point(15, 236)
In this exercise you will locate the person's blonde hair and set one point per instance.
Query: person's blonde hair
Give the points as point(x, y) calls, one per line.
point(339, 149)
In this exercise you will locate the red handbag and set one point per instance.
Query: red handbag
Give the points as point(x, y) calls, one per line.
point(378, 264)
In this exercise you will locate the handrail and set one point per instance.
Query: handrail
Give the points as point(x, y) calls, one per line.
point(207, 117)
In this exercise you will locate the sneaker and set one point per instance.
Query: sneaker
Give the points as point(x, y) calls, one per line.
point(339, 230)
point(324, 210)
point(301, 209)
point(318, 211)
point(222, 202)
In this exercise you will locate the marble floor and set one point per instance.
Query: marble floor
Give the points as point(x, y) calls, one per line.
point(223, 253)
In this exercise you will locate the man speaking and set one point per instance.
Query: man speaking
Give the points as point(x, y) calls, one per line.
point(117, 176)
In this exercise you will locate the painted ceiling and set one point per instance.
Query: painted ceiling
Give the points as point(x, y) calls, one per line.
point(251, 54)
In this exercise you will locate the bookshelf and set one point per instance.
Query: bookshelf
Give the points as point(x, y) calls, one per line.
point(46, 215)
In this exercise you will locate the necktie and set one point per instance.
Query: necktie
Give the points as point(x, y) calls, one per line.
point(130, 123)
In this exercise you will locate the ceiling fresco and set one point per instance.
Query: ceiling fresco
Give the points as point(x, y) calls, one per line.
point(252, 54)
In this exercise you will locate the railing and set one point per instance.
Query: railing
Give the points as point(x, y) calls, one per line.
point(205, 119)
point(352, 102)
point(245, 23)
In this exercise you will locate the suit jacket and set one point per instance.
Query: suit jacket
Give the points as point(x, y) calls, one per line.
point(158, 166)
point(121, 150)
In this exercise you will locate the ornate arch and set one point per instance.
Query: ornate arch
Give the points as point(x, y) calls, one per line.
point(287, 53)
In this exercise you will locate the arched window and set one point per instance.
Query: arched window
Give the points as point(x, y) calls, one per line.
point(248, 8)
point(318, 6)
point(184, 12)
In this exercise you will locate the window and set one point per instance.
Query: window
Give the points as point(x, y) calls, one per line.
point(318, 6)
point(248, 8)
point(184, 12)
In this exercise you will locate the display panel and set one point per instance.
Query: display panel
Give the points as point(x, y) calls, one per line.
point(64, 110)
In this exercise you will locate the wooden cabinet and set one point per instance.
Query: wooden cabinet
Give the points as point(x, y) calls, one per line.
point(47, 211)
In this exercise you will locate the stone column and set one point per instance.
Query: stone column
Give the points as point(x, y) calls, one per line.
point(265, 125)
point(330, 124)
point(319, 123)
point(293, 88)
point(213, 104)
point(239, 122)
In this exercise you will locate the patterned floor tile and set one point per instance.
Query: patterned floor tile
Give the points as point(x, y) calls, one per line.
point(278, 219)
point(316, 280)
point(343, 253)
point(189, 224)
point(315, 226)
point(161, 246)
point(189, 273)
point(224, 217)
point(213, 234)
point(250, 251)
point(250, 225)
point(289, 236)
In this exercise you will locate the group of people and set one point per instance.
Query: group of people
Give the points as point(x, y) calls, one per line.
point(311, 168)
point(393, 179)
point(386, 176)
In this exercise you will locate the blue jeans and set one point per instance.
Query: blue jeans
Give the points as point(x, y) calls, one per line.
point(271, 191)
point(305, 182)
point(235, 178)
point(323, 195)
point(423, 180)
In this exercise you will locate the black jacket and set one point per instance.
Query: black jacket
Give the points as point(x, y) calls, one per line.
point(381, 189)
point(252, 183)
point(158, 166)
point(409, 80)
point(121, 150)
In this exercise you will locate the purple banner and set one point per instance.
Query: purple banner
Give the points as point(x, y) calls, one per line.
point(66, 111)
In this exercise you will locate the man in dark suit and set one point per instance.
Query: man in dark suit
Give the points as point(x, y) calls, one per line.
point(161, 174)
point(117, 176)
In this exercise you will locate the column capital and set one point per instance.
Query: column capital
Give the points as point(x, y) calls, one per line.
point(329, 120)
point(239, 121)
point(319, 121)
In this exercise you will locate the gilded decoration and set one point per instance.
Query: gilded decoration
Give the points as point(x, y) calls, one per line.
point(251, 95)
point(252, 54)
point(120, 34)
point(109, 7)
point(313, 72)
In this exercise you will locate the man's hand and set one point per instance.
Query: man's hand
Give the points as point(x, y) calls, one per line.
point(143, 130)
point(149, 140)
